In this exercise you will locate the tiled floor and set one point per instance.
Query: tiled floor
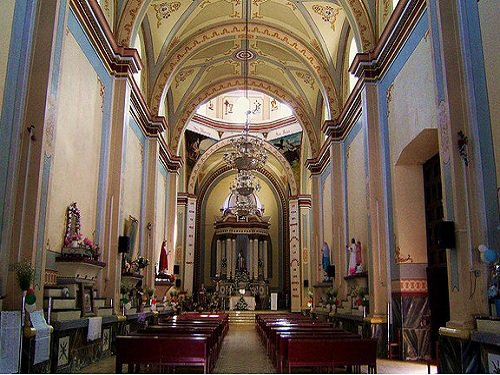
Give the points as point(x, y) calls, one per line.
point(242, 353)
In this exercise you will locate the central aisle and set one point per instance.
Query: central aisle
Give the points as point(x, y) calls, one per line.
point(242, 353)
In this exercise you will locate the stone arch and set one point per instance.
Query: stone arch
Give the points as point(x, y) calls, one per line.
point(201, 40)
point(226, 142)
point(239, 84)
point(360, 21)
point(130, 20)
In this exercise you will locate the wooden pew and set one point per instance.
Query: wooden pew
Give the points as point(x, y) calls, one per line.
point(165, 351)
point(310, 352)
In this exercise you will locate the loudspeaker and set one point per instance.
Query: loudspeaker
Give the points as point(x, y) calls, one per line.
point(176, 269)
point(444, 235)
point(331, 271)
point(306, 283)
point(123, 244)
point(178, 283)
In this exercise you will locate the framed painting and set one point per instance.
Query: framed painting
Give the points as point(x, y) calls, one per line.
point(87, 300)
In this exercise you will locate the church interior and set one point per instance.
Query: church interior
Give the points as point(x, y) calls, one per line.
point(313, 181)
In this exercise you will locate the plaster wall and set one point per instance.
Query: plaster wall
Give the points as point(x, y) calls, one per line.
point(6, 16)
point(161, 217)
point(132, 181)
point(411, 110)
point(77, 145)
point(327, 211)
point(489, 13)
point(215, 199)
point(357, 209)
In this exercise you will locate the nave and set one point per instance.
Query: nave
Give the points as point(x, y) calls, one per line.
point(243, 353)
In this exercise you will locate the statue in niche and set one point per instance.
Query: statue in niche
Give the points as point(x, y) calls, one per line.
point(241, 261)
point(359, 261)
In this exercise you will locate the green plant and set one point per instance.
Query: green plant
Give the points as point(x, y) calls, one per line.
point(25, 273)
point(150, 292)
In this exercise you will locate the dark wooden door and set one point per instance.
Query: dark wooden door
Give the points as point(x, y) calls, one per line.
point(437, 275)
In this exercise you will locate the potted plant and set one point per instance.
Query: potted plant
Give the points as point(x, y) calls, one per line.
point(25, 273)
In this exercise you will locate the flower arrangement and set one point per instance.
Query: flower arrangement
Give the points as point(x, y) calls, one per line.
point(494, 288)
point(25, 273)
point(141, 262)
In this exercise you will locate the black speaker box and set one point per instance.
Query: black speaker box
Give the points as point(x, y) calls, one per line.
point(176, 269)
point(123, 244)
point(331, 271)
point(306, 283)
point(178, 283)
point(444, 235)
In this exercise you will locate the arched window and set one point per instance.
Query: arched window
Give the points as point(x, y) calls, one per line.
point(353, 50)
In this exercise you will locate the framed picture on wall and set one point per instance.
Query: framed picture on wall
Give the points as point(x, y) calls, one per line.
point(87, 300)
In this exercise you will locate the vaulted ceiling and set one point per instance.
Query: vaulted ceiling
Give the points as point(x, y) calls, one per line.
point(194, 50)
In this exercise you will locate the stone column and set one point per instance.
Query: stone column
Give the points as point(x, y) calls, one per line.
point(218, 258)
point(233, 251)
point(264, 253)
point(256, 258)
point(295, 282)
point(250, 257)
point(229, 255)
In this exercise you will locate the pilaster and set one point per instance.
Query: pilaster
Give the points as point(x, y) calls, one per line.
point(378, 251)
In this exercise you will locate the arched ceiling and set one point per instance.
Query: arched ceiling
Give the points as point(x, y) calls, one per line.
point(296, 46)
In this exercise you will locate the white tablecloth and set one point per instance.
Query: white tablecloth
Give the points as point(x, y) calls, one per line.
point(233, 301)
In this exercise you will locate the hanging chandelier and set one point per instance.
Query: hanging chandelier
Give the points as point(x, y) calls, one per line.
point(246, 153)
point(244, 183)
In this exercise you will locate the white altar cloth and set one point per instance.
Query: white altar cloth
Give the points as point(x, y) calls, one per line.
point(233, 301)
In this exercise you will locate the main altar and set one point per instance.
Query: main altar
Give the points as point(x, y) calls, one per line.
point(241, 261)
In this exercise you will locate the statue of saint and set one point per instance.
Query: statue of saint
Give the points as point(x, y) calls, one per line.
point(241, 261)
point(358, 253)
point(352, 257)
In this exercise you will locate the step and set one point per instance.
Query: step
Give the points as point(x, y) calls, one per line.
point(105, 311)
point(56, 291)
point(99, 302)
point(59, 303)
point(64, 315)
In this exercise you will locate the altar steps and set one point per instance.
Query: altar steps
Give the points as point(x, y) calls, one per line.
point(246, 317)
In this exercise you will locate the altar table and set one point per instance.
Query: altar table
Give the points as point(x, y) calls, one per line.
point(250, 300)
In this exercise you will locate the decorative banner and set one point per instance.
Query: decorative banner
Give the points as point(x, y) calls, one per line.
point(42, 338)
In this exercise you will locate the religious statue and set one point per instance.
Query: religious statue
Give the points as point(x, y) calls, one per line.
point(325, 256)
point(358, 254)
point(241, 261)
point(352, 257)
point(163, 265)
point(202, 295)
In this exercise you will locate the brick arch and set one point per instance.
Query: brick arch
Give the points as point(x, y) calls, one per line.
point(226, 142)
point(238, 84)
point(176, 59)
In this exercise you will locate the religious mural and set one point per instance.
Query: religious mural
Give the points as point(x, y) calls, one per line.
point(196, 145)
point(289, 146)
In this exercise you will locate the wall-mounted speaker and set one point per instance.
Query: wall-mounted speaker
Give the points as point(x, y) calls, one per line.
point(176, 269)
point(306, 283)
point(444, 235)
point(331, 270)
point(178, 283)
point(123, 244)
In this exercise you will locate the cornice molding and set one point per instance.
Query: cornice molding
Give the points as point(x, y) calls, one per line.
point(305, 200)
point(338, 129)
point(232, 127)
point(118, 60)
point(170, 161)
point(372, 65)
point(318, 164)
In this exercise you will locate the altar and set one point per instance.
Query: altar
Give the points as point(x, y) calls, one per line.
point(249, 300)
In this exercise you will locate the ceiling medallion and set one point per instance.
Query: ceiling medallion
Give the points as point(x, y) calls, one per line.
point(245, 55)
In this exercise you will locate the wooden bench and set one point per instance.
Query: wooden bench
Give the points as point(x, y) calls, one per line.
point(165, 351)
